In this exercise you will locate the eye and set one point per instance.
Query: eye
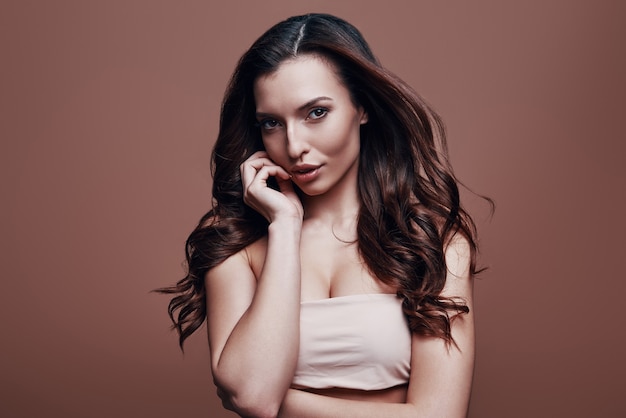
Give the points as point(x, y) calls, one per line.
point(268, 124)
point(318, 113)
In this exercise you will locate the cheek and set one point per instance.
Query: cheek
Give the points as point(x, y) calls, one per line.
point(341, 139)
point(275, 150)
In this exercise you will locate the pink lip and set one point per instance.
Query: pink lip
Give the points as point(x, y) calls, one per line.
point(305, 172)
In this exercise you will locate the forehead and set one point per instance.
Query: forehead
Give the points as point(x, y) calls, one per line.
point(297, 81)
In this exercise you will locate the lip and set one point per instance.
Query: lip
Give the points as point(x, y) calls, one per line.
point(305, 172)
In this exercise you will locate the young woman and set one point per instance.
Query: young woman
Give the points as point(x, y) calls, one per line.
point(335, 267)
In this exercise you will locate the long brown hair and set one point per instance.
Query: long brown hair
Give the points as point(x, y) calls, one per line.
point(410, 206)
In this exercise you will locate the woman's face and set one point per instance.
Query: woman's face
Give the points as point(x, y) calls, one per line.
point(309, 124)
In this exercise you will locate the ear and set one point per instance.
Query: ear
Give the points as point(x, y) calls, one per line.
point(364, 118)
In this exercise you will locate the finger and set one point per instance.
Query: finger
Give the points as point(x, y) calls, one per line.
point(250, 168)
point(255, 163)
point(256, 156)
point(257, 193)
point(264, 173)
point(285, 185)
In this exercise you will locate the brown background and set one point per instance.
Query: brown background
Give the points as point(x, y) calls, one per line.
point(108, 113)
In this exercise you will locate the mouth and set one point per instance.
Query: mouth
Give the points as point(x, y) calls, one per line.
point(305, 173)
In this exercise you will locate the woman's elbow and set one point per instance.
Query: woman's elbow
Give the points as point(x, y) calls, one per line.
point(249, 402)
point(251, 407)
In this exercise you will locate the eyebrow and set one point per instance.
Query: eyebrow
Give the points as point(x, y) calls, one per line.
point(313, 101)
point(303, 107)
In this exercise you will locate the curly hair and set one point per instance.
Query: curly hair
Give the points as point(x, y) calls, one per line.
point(410, 206)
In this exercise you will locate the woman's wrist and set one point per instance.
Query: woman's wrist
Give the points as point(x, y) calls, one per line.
point(285, 224)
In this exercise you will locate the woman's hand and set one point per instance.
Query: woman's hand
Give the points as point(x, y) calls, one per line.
point(272, 204)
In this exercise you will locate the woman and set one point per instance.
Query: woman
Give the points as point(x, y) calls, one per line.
point(335, 268)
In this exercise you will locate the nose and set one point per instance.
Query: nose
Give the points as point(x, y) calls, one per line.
point(297, 143)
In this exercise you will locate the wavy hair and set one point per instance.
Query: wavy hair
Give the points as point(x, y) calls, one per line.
point(410, 205)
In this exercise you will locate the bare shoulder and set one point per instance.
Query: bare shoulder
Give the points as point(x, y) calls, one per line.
point(458, 256)
point(459, 281)
point(231, 285)
point(250, 258)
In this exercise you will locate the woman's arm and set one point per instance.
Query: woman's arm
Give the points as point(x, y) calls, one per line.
point(441, 375)
point(253, 322)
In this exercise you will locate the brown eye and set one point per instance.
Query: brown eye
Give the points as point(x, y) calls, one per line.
point(268, 124)
point(318, 112)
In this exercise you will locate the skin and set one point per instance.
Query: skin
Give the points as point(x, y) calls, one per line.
point(310, 129)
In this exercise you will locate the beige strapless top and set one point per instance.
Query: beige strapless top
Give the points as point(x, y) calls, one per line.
point(353, 342)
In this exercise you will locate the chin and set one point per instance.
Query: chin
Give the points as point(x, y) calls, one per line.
point(312, 190)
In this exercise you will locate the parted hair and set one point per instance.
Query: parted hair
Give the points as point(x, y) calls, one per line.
point(410, 206)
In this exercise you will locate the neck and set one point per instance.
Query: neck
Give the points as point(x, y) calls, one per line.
point(338, 208)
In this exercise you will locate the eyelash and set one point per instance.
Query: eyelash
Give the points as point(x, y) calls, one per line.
point(323, 109)
point(263, 124)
